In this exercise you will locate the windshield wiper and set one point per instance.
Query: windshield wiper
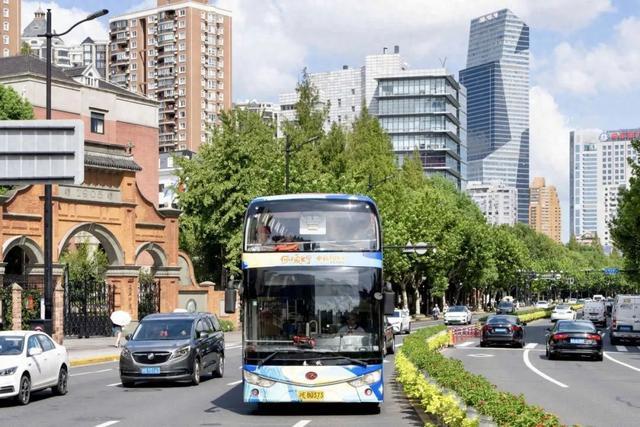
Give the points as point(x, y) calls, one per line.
point(275, 353)
point(334, 355)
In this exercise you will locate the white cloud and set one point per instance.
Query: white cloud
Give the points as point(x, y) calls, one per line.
point(609, 66)
point(63, 18)
point(274, 40)
point(143, 5)
point(549, 147)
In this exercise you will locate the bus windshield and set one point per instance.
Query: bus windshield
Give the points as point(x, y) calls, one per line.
point(311, 225)
point(325, 309)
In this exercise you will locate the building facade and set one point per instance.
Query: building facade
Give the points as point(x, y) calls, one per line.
point(91, 52)
point(10, 28)
point(497, 201)
point(116, 208)
point(178, 53)
point(497, 82)
point(60, 51)
point(423, 110)
point(544, 209)
point(598, 169)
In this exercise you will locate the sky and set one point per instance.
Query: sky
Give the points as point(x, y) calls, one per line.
point(585, 54)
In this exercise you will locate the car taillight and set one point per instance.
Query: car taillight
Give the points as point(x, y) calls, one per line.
point(515, 328)
point(595, 337)
point(560, 337)
point(613, 323)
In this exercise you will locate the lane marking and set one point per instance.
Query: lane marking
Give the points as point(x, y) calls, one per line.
point(92, 372)
point(235, 382)
point(466, 344)
point(481, 355)
point(606, 354)
point(527, 362)
point(302, 423)
point(621, 348)
point(113, 385)
point(496, 348)
point(531, 345)
point(108, 423)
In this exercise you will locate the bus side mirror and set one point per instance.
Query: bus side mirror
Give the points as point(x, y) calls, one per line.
point(229, 300)
point(389, 303)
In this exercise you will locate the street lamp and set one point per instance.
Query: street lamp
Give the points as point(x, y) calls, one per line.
point(287, 155)
point(48, 216)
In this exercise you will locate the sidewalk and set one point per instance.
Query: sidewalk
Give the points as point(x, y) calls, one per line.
point(89, 351)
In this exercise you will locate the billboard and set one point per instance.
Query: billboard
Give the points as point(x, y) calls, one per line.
point(41, 152)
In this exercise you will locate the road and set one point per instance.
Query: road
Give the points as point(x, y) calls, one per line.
point(579, 391)
point(96, 398)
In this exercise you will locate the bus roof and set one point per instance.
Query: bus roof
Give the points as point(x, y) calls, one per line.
point(303, 196)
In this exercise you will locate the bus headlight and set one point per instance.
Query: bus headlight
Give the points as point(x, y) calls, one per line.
point(254, 379)
point(368, 379)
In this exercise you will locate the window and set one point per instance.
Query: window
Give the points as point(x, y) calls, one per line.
point(5, 25)
point(134, 43)
point(6, 52)
point(5, 39)
point(182, 12)
point(182, 69)
point(182, 35)
point(134, 22)
point(33, 343)
point(216, 323)
point(134, 34)
point(97, 122)
point(182, 57)
point(169, 162)
point(134, 66)
point(182, 46)
point(181, 103)
point(181, 24)
point(339, 102)
point(5, 12)
point(46, 343)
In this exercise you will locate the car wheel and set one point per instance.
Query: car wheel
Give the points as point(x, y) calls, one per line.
point(61, 388)
point(598, 357)
point(550, 355)
point(195, 373)
point(483, 344)
point(219, 371)
point(24, 392)
point(128, 384)
point(520, 344)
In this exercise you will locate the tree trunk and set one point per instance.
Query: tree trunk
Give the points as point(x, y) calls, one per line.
point(416, 294)
point(405, 301)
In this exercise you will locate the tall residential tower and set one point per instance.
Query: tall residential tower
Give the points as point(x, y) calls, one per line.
point(497, 82)
point(10, 28)
point(178, 53)
point(544, 209)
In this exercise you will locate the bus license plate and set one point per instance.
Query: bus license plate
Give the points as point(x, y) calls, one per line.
point(150, 371)
point(306, 396)
point(624, 328)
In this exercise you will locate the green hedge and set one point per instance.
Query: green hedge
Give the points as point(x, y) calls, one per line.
point(227, 325)
point(504, 408)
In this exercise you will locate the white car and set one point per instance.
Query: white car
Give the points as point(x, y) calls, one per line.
point(563, 312)
point(458, 314)
point(400, 320)
point(542, 304)
point(31, 361)
point(572, 301)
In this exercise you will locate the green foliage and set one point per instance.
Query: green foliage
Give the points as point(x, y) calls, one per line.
point(85, 263)
point(12, 106)
point(504, 408)
point(25, 48)
point(625, 228)
point(226, 325)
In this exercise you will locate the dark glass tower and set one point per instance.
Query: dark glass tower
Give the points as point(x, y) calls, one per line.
point(497, 82)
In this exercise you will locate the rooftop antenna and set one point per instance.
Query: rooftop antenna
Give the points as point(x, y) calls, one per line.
point(443, 62)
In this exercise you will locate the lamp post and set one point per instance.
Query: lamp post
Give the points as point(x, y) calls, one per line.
point(48, 216)
point(287, 155)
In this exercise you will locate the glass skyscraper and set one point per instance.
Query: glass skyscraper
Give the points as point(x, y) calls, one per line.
point(497, 82)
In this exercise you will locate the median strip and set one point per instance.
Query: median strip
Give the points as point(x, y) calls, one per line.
point(94, 360)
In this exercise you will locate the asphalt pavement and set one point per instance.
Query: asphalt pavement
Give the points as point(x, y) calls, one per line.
point(578, 390)
point(96, 398)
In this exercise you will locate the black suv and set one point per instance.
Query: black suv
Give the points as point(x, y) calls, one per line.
point(173, 346)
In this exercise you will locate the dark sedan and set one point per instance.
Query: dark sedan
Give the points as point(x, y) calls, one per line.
point(506, 307)
point(574, 337)
point(503, 329)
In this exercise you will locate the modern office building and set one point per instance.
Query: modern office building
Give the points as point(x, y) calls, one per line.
point(91, 52)
point(598, 169)
point(178, 53)
point(497, 82)
point(423, 110)
point(544, 209)
point(498, 202)
point(10, 28)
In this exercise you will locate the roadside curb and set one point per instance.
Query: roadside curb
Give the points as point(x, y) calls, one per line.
point(94, 360)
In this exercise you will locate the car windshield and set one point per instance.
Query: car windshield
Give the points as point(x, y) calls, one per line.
point(562, 307)
point(575, 327)
point(505, 304)
point(455, 308)
point(396, 314)
point(11, 345)
point(163, 329)
point(542, 302)
point(501, 319)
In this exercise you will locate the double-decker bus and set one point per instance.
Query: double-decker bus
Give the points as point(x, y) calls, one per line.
point(313, 300)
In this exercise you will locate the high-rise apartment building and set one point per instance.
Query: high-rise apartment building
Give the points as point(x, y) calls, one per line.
point(497, 82)
point(544, 209)
point(498, 202)
point(423, 110)
point(178, 53)
point(10, 28)
point(598, 169)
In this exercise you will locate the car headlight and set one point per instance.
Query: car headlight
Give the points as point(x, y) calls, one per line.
point(181, 352)
point(254, 379)
point(368, 379)
point(126, 353)
point(8, 371)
